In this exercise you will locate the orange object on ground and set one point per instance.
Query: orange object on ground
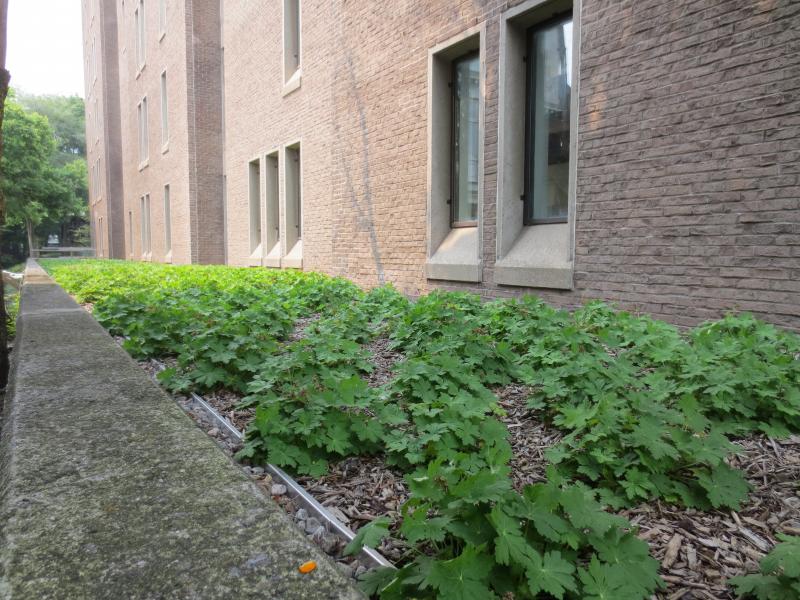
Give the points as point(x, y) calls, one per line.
point(307, 567)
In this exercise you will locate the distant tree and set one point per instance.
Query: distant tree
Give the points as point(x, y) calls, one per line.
point(66, 116)
point(39, 194)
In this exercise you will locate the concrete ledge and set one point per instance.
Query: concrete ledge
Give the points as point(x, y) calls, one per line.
point(108, 490)
point(453, 272)
point(543, 277)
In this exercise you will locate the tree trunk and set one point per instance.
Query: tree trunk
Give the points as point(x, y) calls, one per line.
point(5, 77)
point(29, 231)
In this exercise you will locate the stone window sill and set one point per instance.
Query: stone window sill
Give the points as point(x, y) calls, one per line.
point(538, 258)
point(294, 259)
point(293, 83)
point(456, 258)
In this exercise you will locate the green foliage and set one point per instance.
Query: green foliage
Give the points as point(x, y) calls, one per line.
point(66, 117)
point(645, 411)
point(41, 190)
point(779, 578)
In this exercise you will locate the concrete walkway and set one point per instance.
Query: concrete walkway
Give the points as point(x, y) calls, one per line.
point(108, 490)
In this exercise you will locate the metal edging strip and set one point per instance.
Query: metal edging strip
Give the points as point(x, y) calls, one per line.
point(294, 489)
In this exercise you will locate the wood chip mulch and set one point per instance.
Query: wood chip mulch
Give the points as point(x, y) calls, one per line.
point(528, 435)
point(698, 550)
point(358, 490)
point(383, 359)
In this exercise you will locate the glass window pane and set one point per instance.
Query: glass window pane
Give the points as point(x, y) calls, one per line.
point(466, 105)
point(548, 121)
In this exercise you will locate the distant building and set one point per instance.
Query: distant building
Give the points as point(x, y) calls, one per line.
point(640, 152)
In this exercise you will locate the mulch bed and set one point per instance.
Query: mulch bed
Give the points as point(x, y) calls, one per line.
point(383, 358)
point(698, 550)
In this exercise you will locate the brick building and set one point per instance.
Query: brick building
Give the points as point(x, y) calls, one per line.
point(642, 152)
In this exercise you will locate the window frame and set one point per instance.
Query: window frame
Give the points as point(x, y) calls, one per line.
point(164, 110)
point(453, 201)
point(167, 220)
point(527, 192)
point(141, 35)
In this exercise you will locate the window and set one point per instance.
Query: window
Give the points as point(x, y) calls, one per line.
point(144, 151)
point(167, 221)
point(138, 17)
point(94, 60)
point(97, 179)
point(464, 152)
point(547, 121)
point(294, 200)
point(273, 233)
point(456, 80)
point(254, 173)
point(130, 233)
point(293, 208)
point(291, 38)
point(164, 110)
point(145, 232)
point(100, 236)
point(537, 137)
point(162, 17)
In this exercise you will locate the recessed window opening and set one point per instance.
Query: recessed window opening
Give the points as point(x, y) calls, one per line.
point(164, 110)
point(547, 121)
point(145, 233)
point(167, 221)
point(130, 232)
point(272, 201)
point(138, 16)
point(162, 16)
point(254, 171)
point(294, 201)
point(144, 151)
point(465, 85)
point(291, 38)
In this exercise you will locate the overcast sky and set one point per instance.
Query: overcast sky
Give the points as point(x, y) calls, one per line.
point(45, 46)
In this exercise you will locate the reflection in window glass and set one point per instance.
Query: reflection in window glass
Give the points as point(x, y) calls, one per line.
point(548, 121)
point(466, 105)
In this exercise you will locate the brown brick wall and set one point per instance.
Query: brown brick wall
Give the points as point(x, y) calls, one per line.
point(687, 197)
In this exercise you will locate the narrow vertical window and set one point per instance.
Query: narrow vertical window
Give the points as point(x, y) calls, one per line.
point(254, 172)
point(273, 236)
point(291, 38)
point(130, 232)
point(547, 121)
point(464, 152)
point(164, 110)
point(144, 151)
point(162, 16)
point(100, 236)
point(167, 221)
point(149, 240)
point(145, 233)
point(294, 195)
point(138, 17)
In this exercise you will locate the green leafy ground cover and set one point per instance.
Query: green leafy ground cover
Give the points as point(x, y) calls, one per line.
point(647, 411)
